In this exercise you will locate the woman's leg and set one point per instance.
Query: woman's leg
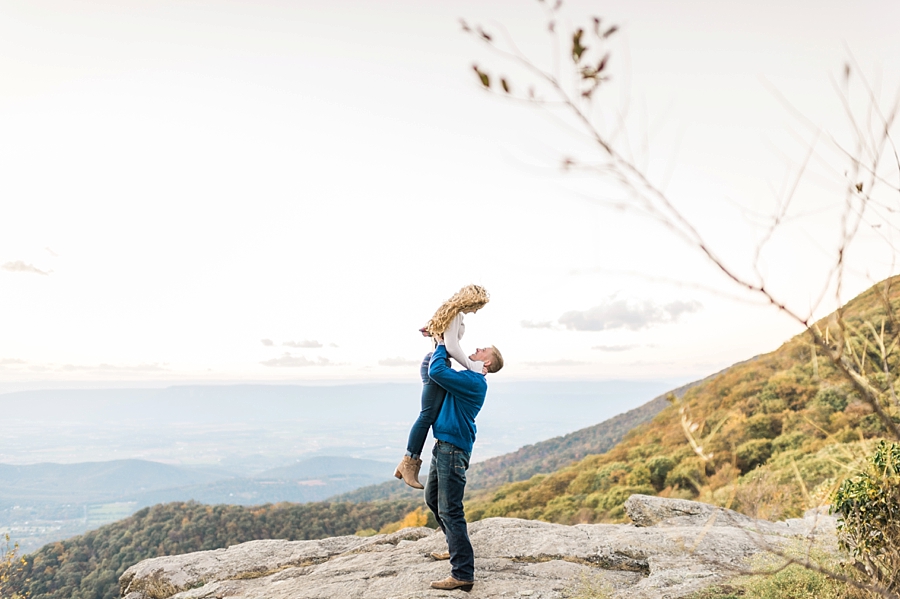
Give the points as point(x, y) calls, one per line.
point(432, 400)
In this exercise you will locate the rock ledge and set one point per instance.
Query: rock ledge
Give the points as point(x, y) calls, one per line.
point(675, 548)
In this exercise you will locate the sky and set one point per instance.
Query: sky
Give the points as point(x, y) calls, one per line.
point(286, 191)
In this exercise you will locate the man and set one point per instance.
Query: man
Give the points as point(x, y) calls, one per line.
point(454, 433)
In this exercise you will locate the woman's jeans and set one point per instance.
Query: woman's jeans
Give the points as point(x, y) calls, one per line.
point(432, 400)
point(444, 496)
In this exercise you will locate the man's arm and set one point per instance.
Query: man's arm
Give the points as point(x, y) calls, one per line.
point(452, 336)
point(457, 383)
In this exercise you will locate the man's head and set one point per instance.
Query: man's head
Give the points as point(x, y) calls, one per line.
point(491, 357)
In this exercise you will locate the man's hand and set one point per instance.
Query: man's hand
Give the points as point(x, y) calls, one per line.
point(425, 333)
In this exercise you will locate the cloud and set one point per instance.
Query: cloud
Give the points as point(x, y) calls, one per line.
point(553, 363)
point(614, 348)
point(17, 364)
point(676, 309)
point(114, 368)
point(530, 324)
point(622, 314)
point(288, 361)
point(306, 344)
point(267, 342)
point(397, 362)
point(19, 266)
point(11, 363)
point(51, 252)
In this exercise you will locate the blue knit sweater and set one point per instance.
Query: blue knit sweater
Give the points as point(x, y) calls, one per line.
point(465, 395)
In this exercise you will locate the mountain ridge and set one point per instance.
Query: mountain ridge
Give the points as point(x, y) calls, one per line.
point(776, 433)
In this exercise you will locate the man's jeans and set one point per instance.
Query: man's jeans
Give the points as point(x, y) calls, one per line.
point(444, 496)
point(432, 400)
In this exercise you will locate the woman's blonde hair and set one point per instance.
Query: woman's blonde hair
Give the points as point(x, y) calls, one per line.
point(468, 299)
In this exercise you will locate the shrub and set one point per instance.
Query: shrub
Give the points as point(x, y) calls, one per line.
point(659, 467)
point(788, 441)
point(417, 517)
point(639, 476)
point(366, 532)
point(560, 509)
point(868, 506)
point(689, 474)
point(763, 426)
point(753, 453)
point(589, 481)
point(831, 397)
point(761, 495)
point(11, 566)
point(617, 496)
point(871, 426)
point(790, 386)
point(773, 405)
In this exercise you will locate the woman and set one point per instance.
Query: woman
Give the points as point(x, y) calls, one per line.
point(447, 323)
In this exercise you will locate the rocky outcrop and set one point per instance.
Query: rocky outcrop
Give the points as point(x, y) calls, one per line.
point(674, 548)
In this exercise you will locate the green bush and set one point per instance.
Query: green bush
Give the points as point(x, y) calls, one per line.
point(832, 398)
point(610, 475)
point(639, 476)
point(763, 426)
point(788, 441)
point(689, 474)
point(871, 426)
point(752, 454)
point(868, 508)
point(659, 467)
point(772, 405)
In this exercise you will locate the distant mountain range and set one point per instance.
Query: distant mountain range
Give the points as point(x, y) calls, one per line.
point(145, 483)
point(250, 428)
point(313, 479)
point(93, 481)
point(41, 503)
point(209, 446)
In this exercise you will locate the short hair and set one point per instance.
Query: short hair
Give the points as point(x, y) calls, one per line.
point(497, 362)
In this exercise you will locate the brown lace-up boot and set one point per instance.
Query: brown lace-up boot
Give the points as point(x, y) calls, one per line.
point(451, 584)
point(408, 470)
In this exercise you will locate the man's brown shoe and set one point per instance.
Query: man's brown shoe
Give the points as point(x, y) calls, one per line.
point(439, 556)
point(408, 470)
point(451, 584)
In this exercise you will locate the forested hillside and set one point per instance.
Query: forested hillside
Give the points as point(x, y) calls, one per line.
point(777, 431)
point(89, 566)
point(553, 454)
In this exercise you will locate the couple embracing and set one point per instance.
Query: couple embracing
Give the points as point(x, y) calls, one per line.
point(451, 399)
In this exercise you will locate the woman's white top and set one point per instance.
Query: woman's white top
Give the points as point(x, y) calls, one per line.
point(452, 336)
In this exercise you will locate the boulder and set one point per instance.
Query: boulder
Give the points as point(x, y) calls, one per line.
point(675, 548)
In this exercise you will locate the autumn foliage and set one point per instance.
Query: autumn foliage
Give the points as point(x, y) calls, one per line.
point(774, 436)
